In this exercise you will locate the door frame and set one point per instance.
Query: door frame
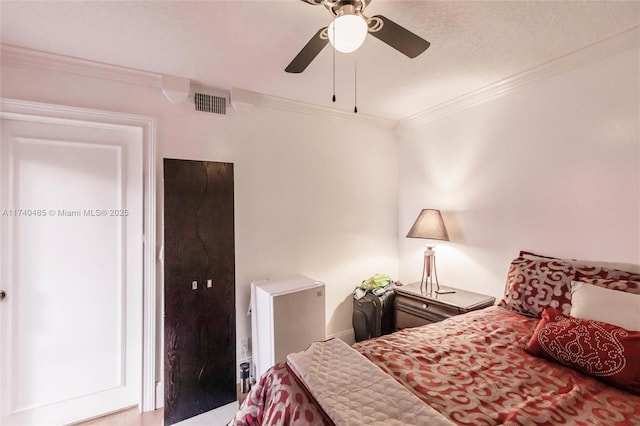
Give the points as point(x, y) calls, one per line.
point(60, 114)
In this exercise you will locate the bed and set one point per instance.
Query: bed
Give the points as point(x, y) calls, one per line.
point(548, 353)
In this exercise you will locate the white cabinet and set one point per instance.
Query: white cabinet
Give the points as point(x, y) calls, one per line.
point(287, 315)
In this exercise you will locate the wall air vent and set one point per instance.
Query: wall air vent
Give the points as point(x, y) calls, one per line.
point(210, 103)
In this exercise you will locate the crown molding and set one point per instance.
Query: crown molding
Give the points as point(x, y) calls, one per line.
point(29, 58)
point(246, 97)
point(621, 42)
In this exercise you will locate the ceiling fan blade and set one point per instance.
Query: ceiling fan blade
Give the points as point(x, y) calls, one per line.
point(401, 39)
point(308, 52)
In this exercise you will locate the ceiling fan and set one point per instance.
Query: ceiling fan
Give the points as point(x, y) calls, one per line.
point(349, 29)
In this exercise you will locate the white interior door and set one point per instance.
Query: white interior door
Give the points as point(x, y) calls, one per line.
point(71, 267)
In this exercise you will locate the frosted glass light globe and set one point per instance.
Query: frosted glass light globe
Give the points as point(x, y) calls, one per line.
point(347, 33)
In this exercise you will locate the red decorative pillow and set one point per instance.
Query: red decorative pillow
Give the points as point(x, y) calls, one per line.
point(585, 271)
point(585, 268)
point(605, 351)
point(627, 286)
point(535, 256)
point(533, 285)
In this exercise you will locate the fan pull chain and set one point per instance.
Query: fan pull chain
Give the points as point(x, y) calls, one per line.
point(355, 88)
point(334, 65)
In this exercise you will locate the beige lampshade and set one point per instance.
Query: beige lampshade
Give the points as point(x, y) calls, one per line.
point(429, 225)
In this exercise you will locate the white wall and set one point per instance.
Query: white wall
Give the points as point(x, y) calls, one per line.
point(552, 166)
point(313, 195)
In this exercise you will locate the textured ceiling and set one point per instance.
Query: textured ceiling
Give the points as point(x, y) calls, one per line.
point(247, 44)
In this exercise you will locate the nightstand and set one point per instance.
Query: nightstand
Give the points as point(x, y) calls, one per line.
point(415, 308)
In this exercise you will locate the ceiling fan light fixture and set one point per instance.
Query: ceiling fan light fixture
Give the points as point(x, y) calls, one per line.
point(347, 32)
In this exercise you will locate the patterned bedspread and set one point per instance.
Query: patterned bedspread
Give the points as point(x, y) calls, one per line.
point(474, 370)
point(471, 368)
point(277, 399)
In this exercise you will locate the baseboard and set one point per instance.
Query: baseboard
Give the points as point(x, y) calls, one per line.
point(159, 394)
point(347, 336)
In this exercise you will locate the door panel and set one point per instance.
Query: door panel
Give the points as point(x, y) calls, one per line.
point(72, 270)
point(200, 349)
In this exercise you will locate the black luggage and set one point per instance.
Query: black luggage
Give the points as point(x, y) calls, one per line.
point(373, 315)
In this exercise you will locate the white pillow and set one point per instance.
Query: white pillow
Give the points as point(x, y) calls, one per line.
point(602, 304)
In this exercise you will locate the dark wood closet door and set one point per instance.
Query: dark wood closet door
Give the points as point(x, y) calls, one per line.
point(199, 325)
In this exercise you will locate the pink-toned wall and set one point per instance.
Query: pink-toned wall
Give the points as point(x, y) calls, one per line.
point(313, 195)
point(552, 166)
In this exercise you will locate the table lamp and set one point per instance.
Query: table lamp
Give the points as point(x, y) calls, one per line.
point(430, 226)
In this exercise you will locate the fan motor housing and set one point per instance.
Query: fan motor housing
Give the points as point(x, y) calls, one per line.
point(346, 7)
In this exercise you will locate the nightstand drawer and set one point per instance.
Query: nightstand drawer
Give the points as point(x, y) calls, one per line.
point(424, 307)
point(415, 307)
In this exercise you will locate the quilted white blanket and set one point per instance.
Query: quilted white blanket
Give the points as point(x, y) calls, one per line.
point(353, 391)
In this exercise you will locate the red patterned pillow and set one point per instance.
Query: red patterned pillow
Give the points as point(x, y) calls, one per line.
point(605, 351)
point(627, 286)
point(584, 271)
point(585, 268)
point(533, 285)
point(535, 256)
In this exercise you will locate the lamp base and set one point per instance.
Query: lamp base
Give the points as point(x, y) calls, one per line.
point(429, 272)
